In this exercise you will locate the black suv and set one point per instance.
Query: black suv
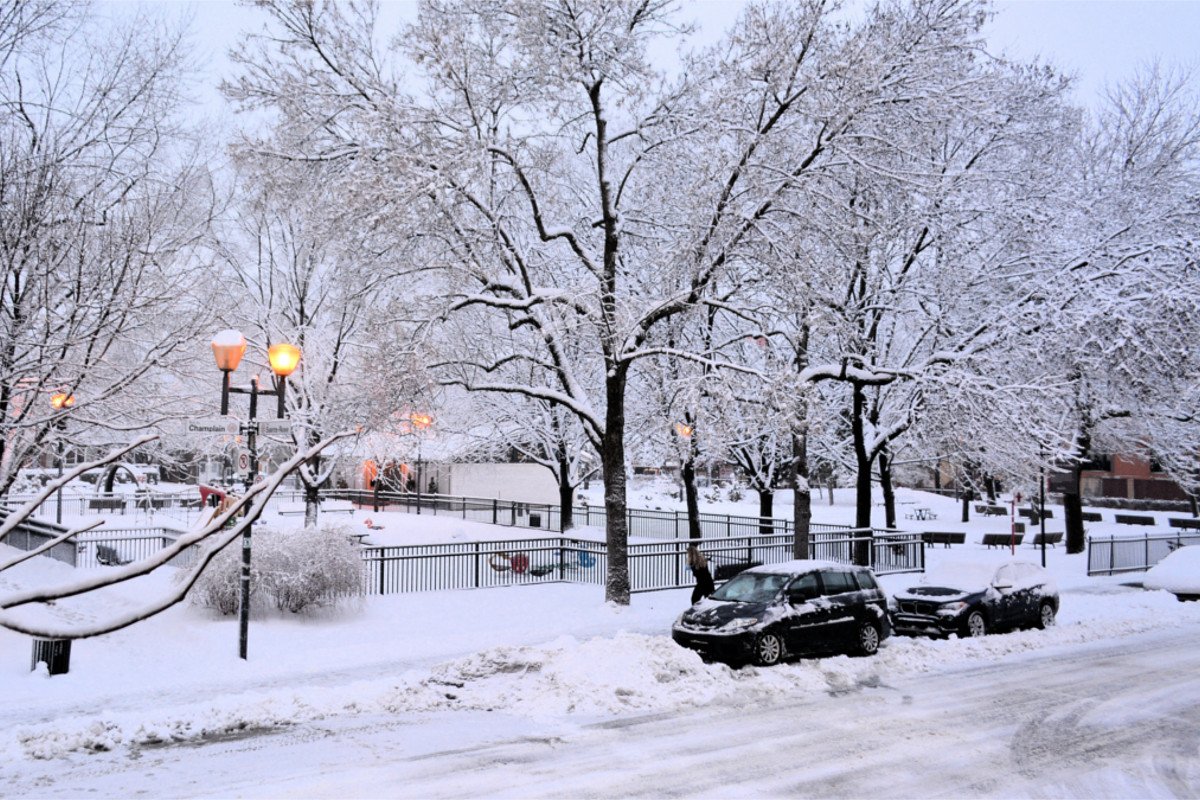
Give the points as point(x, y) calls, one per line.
point(769, 613)
point(971, 599)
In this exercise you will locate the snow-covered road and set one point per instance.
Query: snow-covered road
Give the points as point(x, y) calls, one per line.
point(1111, 719)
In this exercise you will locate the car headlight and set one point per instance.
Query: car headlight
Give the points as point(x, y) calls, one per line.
point(951, 609)
point(739, 623)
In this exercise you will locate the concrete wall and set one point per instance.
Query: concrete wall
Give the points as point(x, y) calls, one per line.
point(528, 483)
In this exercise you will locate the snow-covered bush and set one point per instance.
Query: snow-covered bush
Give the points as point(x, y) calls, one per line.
point(291, 569)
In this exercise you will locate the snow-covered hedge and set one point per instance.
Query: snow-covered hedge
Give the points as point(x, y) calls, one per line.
point(292, 570)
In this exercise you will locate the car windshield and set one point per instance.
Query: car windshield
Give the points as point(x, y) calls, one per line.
point(751, 587)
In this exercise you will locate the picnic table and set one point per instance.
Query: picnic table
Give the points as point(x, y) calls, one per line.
point(921, 513)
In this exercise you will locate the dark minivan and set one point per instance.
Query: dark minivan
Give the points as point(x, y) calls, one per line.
point(773, 612)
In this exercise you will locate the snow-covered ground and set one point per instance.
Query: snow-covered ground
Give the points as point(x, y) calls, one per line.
point(527, 657)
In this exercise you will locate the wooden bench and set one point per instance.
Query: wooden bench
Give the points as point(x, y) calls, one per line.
point(724, 572)
point(108, 556)
point(1028, 513)
point(1187, 522)
point(1091, 516)
point(327, 507)
point(1133, 519)
point(107, 504)
point(1052, 539)
point(990, 511)
point(1001, 539)
point(945, 538)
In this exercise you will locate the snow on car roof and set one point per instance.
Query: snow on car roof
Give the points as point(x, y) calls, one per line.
point(799, 565)
point(1178, 572)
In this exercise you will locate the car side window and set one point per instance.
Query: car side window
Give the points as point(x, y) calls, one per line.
point(1005, 576)
point(805, 587)
point(866, 580)
point(838, 582)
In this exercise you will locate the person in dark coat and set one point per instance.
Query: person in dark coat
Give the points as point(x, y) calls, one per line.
point(699, 566)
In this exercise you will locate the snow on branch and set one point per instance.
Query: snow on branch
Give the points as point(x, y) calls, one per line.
point(15, 518)
point(213, 533)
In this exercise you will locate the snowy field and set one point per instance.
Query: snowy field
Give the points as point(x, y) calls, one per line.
point(528, 658)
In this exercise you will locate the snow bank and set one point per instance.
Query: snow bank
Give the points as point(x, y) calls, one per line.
point(589, 678)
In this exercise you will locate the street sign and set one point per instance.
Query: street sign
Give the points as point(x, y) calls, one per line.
point(242, 462)
point(223, 425)
point(275, 427)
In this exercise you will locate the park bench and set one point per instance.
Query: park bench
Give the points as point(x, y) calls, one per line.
point(1133, 519)
point(1001, 539)
point(108, 556)
point(1052, 539)
point(1190, 522)
point(945, 538)
point(1091, 516)
point(327, 507)
point(989, 511)
point(724, 572)
point(107, 504)
point(1028, 513)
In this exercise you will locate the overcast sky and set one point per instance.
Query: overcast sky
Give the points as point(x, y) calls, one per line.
point(1098, 41)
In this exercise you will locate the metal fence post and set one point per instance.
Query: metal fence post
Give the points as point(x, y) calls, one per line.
point(728, 524)
point(477, 565)
point(381, 563)
point(495, 510)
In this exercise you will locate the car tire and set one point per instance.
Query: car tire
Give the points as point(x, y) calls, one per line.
point(866, 643)
point(1185, 598)
point(974, 625)
point(1045, 616)
point(768, 650)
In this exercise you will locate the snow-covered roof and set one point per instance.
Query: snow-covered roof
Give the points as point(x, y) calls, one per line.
point(793, 567)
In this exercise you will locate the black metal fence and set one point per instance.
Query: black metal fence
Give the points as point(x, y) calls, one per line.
point(1113, 555)
point(652, 566)
point(645, 523)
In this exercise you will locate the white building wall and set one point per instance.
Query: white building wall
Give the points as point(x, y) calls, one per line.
point(527, 483)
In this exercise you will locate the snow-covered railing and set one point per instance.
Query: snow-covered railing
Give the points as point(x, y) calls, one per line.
point(653, 566)
point(642, 523)
point(1113, 555)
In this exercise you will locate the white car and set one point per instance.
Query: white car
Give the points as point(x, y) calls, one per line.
point(1178, 573)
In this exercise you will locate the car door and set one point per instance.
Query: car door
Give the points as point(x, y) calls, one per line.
point(840, 590)
point(808, 614)
point(1009, 606)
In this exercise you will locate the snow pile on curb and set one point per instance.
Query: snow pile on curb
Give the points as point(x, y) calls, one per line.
point(597, 677)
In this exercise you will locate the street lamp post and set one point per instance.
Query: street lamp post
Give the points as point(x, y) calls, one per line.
point(228, 348)
point(1042, 501)
point(420, 422)
point(60, 402)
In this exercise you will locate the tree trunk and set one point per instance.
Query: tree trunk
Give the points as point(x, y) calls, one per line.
point(937, 476)
point(966, 503)
point(766, 510)
point(1194, 505)
point(566, 497)
point(312, 491)
point(312, 504)
point(1073, 514)
point(801, 497)
point(691, 497)
point(989, 484)
point(612, 465)
point(889, 493)
point(862, 485)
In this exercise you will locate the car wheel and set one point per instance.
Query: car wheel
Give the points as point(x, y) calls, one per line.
point(1045, 615)
point(867, 643)
point(974, 625)
point(1184, 598)
point(768, 650)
